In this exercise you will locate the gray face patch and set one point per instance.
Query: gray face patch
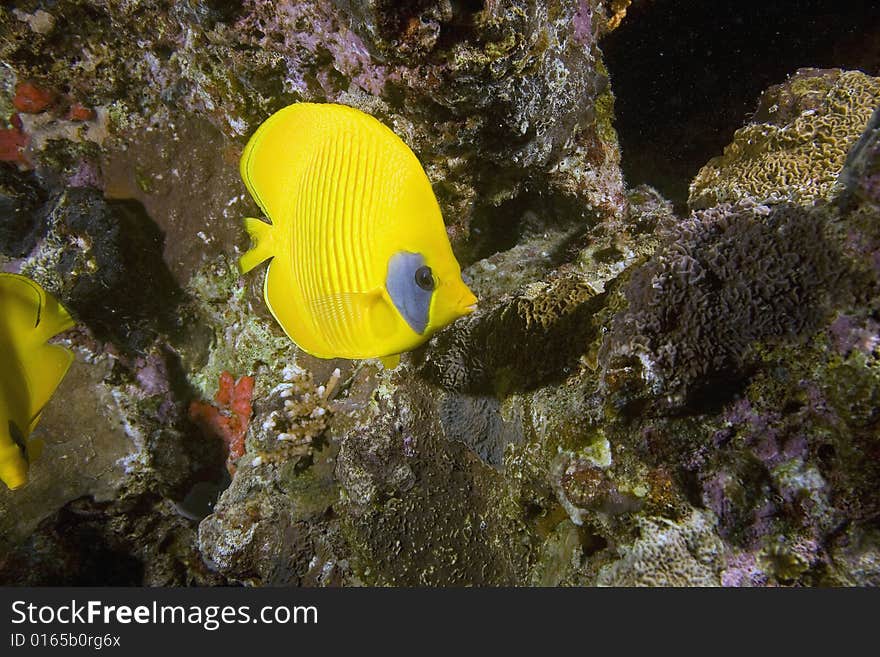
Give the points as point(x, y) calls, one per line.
point(411, 301)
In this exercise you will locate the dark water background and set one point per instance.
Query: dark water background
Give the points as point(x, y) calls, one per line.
point(687, 73)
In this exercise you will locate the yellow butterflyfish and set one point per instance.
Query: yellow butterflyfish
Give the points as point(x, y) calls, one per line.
point(31, 369)
point(361, 263)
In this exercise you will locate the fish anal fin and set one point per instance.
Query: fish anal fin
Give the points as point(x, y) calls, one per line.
point(44, 368)
point(390, 362)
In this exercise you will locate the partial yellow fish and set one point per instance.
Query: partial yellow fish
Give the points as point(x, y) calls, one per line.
point(30, 369)
point(361, 263)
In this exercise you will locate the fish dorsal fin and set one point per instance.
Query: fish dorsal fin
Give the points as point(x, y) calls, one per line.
point(390, 362)
point(43, 370)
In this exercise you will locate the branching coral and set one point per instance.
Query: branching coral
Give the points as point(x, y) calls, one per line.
point(303, 417)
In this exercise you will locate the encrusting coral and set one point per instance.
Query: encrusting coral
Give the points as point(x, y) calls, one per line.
point(228, 417)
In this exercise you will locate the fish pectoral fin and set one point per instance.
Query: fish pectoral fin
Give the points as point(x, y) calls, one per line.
point(369, 313)
point(44, 369)
point(390, 362)
point(363, 308)
point(263, 248)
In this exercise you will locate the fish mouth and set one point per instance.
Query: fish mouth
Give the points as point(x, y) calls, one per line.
point(465, 308)
point(467, 302)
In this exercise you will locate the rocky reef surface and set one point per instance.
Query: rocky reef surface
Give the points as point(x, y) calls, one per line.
point(644, 397)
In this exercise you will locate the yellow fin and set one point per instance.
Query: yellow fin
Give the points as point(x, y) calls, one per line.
point(27, 307)
point(390, 362)
point(29, 316)
point(54, 319)
point(35, 420)
point(43, 369)
point(263, 248)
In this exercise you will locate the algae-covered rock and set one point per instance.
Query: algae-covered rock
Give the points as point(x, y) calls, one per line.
point(94, 258)
point(489, 96)
point(21, 197)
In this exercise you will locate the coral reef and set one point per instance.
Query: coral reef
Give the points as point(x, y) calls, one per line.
point(487, 95)
point(796, 143)
point(641, 398)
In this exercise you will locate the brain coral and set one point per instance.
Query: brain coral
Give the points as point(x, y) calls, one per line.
point(669, 554)
point(479, 423)
point(796, 144)
point(728, 277)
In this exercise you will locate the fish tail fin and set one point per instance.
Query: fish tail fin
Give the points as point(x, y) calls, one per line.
point(30, 312)
point(44, 368)
point(54, 318)
point(263, 249)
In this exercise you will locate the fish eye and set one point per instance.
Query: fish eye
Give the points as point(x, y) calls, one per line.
point(424, 278)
